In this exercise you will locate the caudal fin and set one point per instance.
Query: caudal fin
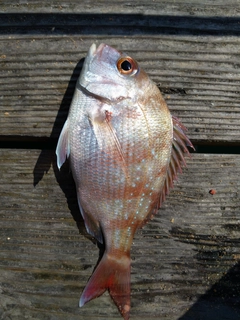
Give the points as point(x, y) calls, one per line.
point(112, 273)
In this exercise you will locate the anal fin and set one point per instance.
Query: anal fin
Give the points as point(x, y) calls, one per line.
point(92, 226)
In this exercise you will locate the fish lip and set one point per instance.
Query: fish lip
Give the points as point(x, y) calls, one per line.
point(94, 53)
point(94, 50)
point(103, 48)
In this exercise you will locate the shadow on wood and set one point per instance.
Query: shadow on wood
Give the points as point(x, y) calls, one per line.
point(118, 24)
point(48, 157)
point(221, 302)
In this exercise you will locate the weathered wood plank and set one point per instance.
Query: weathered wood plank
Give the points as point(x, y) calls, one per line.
point(193, 59)
point(185, 261)
point(200, 79)
point(175, 7)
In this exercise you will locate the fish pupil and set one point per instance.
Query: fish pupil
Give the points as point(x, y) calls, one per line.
point(126, 65)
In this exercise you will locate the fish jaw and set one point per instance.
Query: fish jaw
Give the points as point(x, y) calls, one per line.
point(100, 76)
point(94, 50)
point(97, 59)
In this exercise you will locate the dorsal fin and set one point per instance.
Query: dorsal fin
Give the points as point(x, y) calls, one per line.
point(177, 161)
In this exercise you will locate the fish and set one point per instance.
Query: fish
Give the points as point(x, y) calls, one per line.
point(125, 150)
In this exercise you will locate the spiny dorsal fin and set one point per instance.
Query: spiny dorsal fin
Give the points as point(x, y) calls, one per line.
point(177, 161)
point(179, 149)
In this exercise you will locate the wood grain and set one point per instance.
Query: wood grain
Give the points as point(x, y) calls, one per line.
point(186, 261)
point(173, 7)
point(193, 60)
point(183, 261)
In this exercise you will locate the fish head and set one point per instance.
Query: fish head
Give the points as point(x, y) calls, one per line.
point(111, 75)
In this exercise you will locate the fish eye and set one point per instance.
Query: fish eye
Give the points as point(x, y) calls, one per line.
point(127, 66)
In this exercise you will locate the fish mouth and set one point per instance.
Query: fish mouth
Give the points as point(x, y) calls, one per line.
point(101, 53)
point(103, 50)
point(94, 50)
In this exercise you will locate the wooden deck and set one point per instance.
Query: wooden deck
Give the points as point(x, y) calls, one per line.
point(186, 261)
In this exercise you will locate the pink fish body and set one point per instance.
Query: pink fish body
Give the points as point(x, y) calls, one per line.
point(125, 150)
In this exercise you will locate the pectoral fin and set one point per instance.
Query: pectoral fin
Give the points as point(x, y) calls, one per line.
point(63, 147)
point(108, 142)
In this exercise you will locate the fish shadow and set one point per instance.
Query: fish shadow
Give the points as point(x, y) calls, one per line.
point(47, 157)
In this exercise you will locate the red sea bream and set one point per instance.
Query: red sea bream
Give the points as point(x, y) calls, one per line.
point(125, 150)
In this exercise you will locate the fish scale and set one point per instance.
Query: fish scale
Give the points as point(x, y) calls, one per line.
point(125, 150)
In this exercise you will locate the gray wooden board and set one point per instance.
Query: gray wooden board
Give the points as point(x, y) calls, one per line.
point(169, 7)
point(193, 60)
point(185, 262)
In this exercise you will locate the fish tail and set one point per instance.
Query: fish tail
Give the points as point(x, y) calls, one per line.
point(112, 273)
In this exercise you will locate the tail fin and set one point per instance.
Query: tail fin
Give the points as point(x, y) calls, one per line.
point(112, 273)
